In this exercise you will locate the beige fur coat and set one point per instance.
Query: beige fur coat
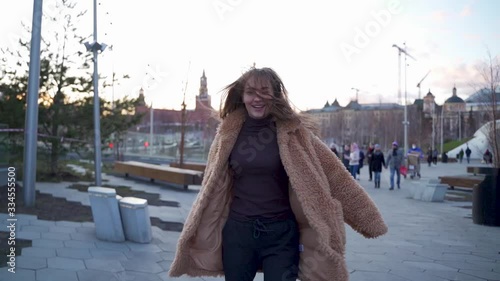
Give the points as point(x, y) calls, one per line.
point(323, 196)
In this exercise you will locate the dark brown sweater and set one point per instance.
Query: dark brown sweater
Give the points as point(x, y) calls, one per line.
point(260, 186)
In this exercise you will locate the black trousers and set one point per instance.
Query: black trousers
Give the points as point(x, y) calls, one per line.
point(249, 246)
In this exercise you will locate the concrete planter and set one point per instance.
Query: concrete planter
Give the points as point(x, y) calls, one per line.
point(433, 191)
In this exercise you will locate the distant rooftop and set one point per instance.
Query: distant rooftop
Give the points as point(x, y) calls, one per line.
point(483, 95)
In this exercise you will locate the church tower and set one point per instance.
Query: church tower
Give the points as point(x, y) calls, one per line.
point(203, 99)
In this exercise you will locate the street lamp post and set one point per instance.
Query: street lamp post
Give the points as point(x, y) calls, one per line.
point(95, 47)
point(405, 122)
point(31, 120)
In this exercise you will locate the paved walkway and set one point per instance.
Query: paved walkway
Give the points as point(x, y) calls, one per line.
point(426, 241)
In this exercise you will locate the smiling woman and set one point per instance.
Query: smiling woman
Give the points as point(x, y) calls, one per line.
point(274, 197)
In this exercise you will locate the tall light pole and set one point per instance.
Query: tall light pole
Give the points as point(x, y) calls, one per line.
point(31, 120)
point(151, 121)
point(357, 93)
point(405, 122)
point(95, 47)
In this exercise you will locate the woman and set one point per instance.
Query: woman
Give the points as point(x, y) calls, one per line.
point(354, 160)
point(274, 197)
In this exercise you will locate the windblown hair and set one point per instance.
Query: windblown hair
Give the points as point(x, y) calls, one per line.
point(233, 97)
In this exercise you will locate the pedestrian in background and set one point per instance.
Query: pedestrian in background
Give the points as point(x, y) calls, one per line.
point(435, 154)
point(369, 159)
point(461, 155)
point(334, 149)
point(468, 153)
point(346, 156)
point(354, 160)
point(378, 161)
point(394, 162)
point(361, 162)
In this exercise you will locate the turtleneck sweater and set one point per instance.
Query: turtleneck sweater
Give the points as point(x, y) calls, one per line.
point(260, 183)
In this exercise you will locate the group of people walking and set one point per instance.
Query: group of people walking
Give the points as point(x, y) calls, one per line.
point(353, 158)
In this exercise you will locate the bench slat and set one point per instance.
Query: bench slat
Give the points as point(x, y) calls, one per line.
point(164, 173)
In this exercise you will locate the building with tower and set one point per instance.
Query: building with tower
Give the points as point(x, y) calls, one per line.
point(167, 121)
point(381, 123)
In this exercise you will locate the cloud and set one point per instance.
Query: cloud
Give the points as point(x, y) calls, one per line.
point(463, 75)
point(439, 16)
point(474, 37)
point(466, 11)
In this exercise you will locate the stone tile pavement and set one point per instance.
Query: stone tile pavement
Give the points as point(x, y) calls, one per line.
point(426, 240)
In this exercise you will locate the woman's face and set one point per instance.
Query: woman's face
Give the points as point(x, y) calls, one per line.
point(257, 97)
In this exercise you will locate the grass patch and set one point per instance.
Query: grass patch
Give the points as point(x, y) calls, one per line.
point(125, 191)
point(453, 144)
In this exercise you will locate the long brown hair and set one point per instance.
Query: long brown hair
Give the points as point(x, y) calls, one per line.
point(233, 97)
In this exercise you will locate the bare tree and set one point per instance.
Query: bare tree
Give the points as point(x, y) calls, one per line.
point(488, 98)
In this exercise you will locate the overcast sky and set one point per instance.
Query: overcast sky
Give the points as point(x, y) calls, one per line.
point(321, 49)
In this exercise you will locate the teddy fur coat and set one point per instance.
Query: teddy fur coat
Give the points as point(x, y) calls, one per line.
point(323, 195)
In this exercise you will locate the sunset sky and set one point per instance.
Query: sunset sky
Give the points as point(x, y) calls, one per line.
point(321, 49)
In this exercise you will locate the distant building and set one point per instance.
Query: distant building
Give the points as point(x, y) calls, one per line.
point(382, 123)
point(169, 121)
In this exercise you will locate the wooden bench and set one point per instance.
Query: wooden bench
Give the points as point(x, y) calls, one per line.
point(190, 166)
point(468, 181)
point(183, 177)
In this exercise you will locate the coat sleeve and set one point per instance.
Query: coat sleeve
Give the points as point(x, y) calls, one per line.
point(360, 212)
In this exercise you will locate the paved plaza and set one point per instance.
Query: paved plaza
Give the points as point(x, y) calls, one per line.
point(427, 241)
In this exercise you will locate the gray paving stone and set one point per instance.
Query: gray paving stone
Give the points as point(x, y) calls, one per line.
point(69, 224)
point(97, 275)
point(53, 274)
point(43, 223)
point(28, 235)
point(453, 275)
point(34, 228)
point(84, 236)
point(80, 244)
point(28, 262)
point(108, 254)
point(365, 266)
point(86, 229)
point(459, 265)
point(65, 263)
point(38, 252)
point(416, 275)
point(73, 253)
point(167, 256)
point(464, 257)
point(26, 217)
point(141, 265)
point(112, 246)
point(165, 265)
point(168, 246)
point(19, 275)
point(138, 247)
point(489, 275)
point(62, 229)
point(429, 265)
point(104, 265)
point(47, 243)
point(374, 276)
point(152, 257)
point(88, 224)
point(132, 276)
point(56, 236)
